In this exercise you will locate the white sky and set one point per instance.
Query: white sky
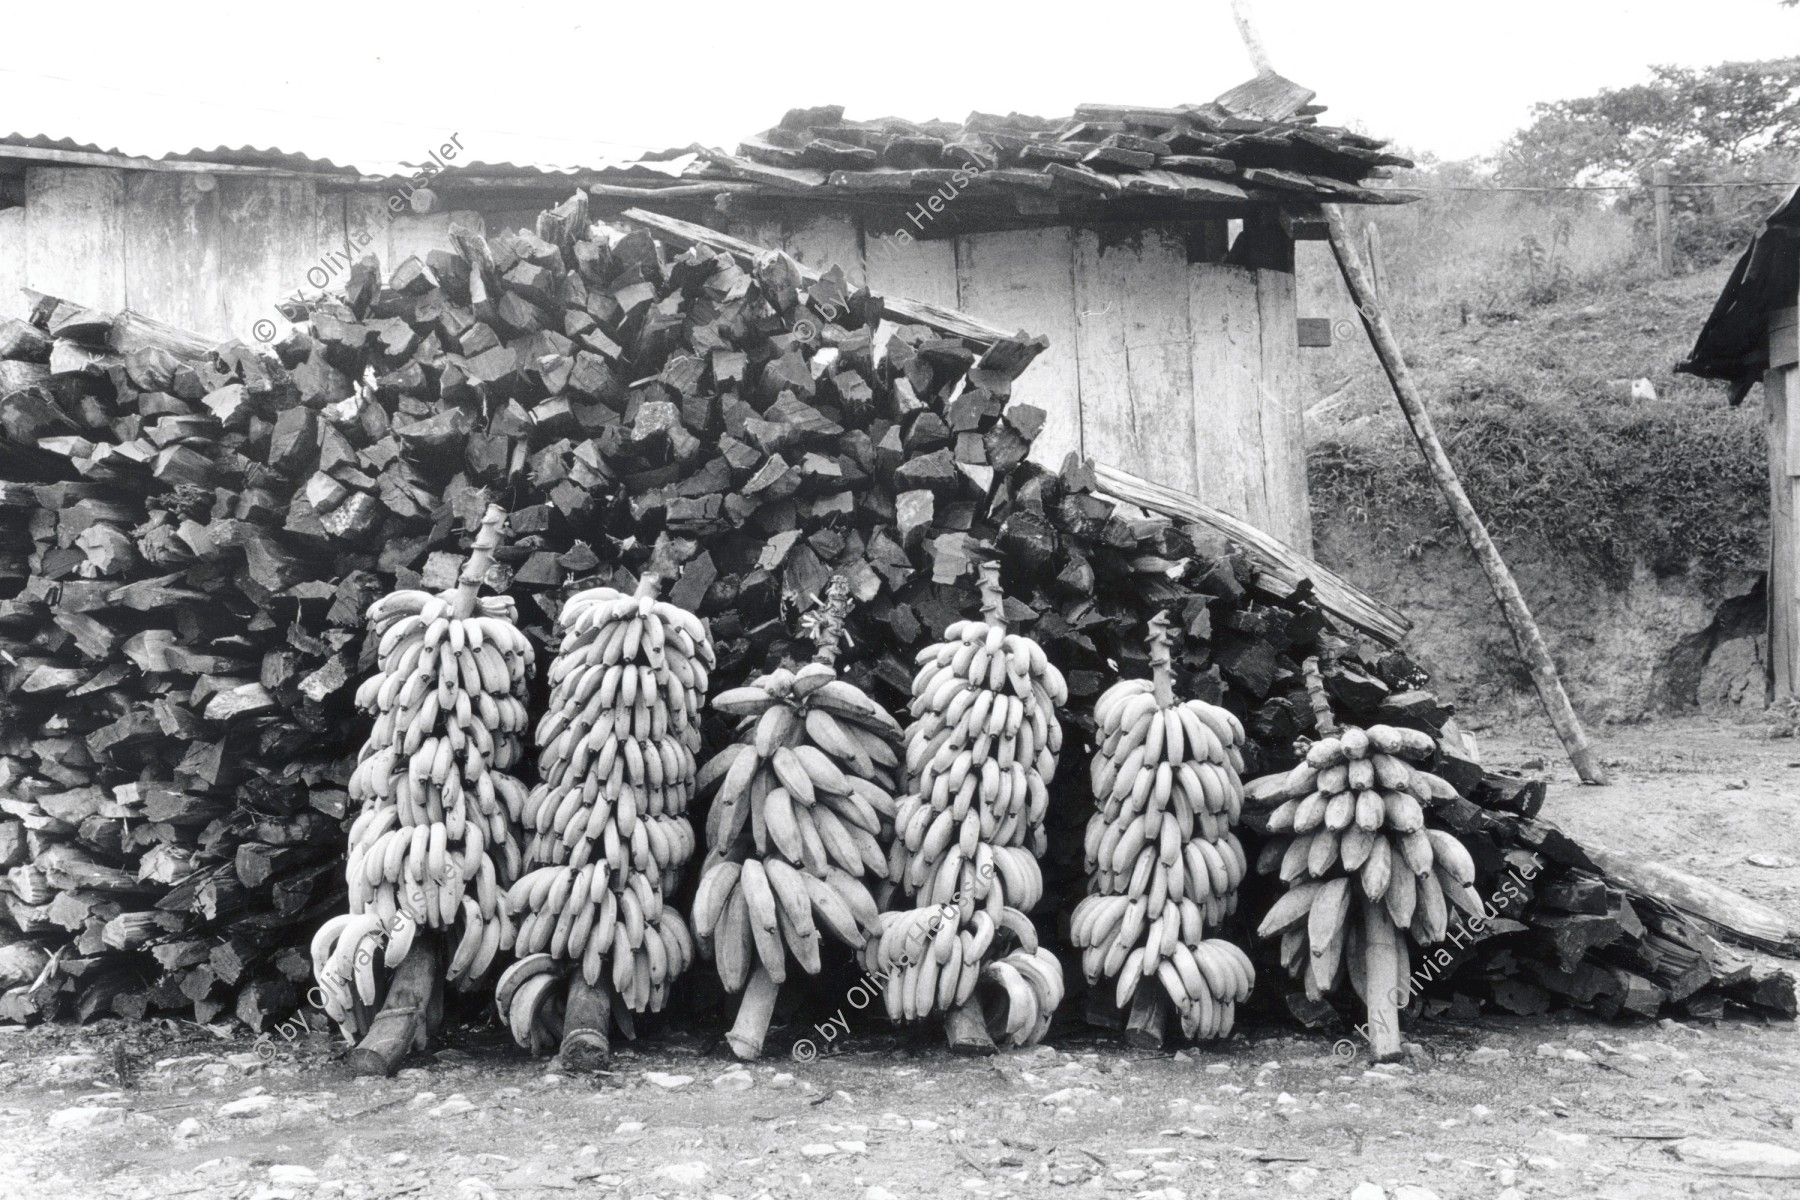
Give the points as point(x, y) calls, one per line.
point(371, 81)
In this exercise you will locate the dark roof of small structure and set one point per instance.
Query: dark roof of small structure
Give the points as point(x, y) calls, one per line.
point(1258, 143)
point(1734, 343)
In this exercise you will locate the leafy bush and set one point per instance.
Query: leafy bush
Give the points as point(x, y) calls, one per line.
point(1682, 488)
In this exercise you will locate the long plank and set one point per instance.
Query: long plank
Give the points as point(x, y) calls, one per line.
point(172, 251)
point(1281, 568)
point(75, 233)
point(1735, 916)
point(1023, 279)
point(924, 271)
point(1133, 357)
point(1282, 411)
point(1226, 357)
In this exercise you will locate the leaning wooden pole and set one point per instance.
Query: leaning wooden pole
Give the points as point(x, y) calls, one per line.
point(1506, 590)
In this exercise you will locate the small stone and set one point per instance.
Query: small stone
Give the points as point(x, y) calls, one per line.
point(734, 1081)
point(1774, 862)
point(1285, 1099)
point(290, 1175)
point(1481, 1112)
point(474, 1189)
point(1070, 1095)
point(1546, 1050)
point(923, 1125)
point(1577, 1056)
point(1488, 1054)
point(1756, 1159)
point(1302, 1179)
point(629, 1127)
point(818, 1150)
point(782, 1079)
point(853, 1147)
point(688, 1174)
point(1511, 1193)
point(1130, 1175)
point(1412, 1191)
point(876, 1192)
point(455, 1106)
point(1218, 1069)
point(667, 1082)
point(249, 1106)
point(398, 1158)
point(189, 1128)
point(1693, 1078)
point(86, 1116)
point(1368, 1191)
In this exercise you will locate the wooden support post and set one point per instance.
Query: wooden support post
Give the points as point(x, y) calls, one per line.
point(1781, 386)
point(1377, 263)
point(1665, 240)
point(1512, 604)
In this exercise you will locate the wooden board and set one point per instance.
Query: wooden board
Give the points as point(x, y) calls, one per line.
point(266, 246)
point(172, 252)
point(1283, 412)
point(417, 234)
point(1134, 360)
point(1023, 280)
point(1784, 588)
point(12, 262)
point(820, 242)
point(1784, 337)
point(924, 271)
point(75, 234)
point(1223, 313)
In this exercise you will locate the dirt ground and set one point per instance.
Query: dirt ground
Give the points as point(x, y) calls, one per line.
point(1505, 1109)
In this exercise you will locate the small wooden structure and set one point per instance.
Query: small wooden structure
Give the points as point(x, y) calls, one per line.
point(1753, 335)
point(1154, 247)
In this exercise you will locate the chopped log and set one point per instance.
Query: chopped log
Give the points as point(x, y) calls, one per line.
point(1730, 914)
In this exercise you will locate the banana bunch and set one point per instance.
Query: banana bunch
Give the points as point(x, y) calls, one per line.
point(607, 838)
point(1163, 864)
point(435, 841)
point(979, 756)
point(802, 805)
point(1352, 818)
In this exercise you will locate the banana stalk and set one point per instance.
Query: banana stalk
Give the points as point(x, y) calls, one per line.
point(1365, 875)
point(979, 756)
point(436, 840)
point(802, 812)
point(1163, 863)
point(607, 835)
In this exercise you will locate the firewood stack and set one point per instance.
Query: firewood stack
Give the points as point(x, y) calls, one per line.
point(190, 536)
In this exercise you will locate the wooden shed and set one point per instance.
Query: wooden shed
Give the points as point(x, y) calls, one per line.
point(1752, 335)
point(1153, 246)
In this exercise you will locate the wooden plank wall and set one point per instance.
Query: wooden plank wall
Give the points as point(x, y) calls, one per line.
point(12, 261)
point(1187, 373)
point(1781, 400)
point(215, 262)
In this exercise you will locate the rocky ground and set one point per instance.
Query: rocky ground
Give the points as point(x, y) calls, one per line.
point(1501, 1110)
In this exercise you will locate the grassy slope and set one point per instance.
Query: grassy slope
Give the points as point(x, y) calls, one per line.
point(1592, 488)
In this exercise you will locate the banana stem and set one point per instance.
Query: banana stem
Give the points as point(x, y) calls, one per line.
point(752, 1024)
point(481, 557)
point(1381, 981)
point(827, 623)
point(1161, 673)
point(1145, 1027)
point(649, 584)
point(1315, 691)
point(993, 597)
point(965, 1028)
point(586, 1022)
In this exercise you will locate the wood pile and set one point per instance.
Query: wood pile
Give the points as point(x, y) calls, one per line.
point(190, 535)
